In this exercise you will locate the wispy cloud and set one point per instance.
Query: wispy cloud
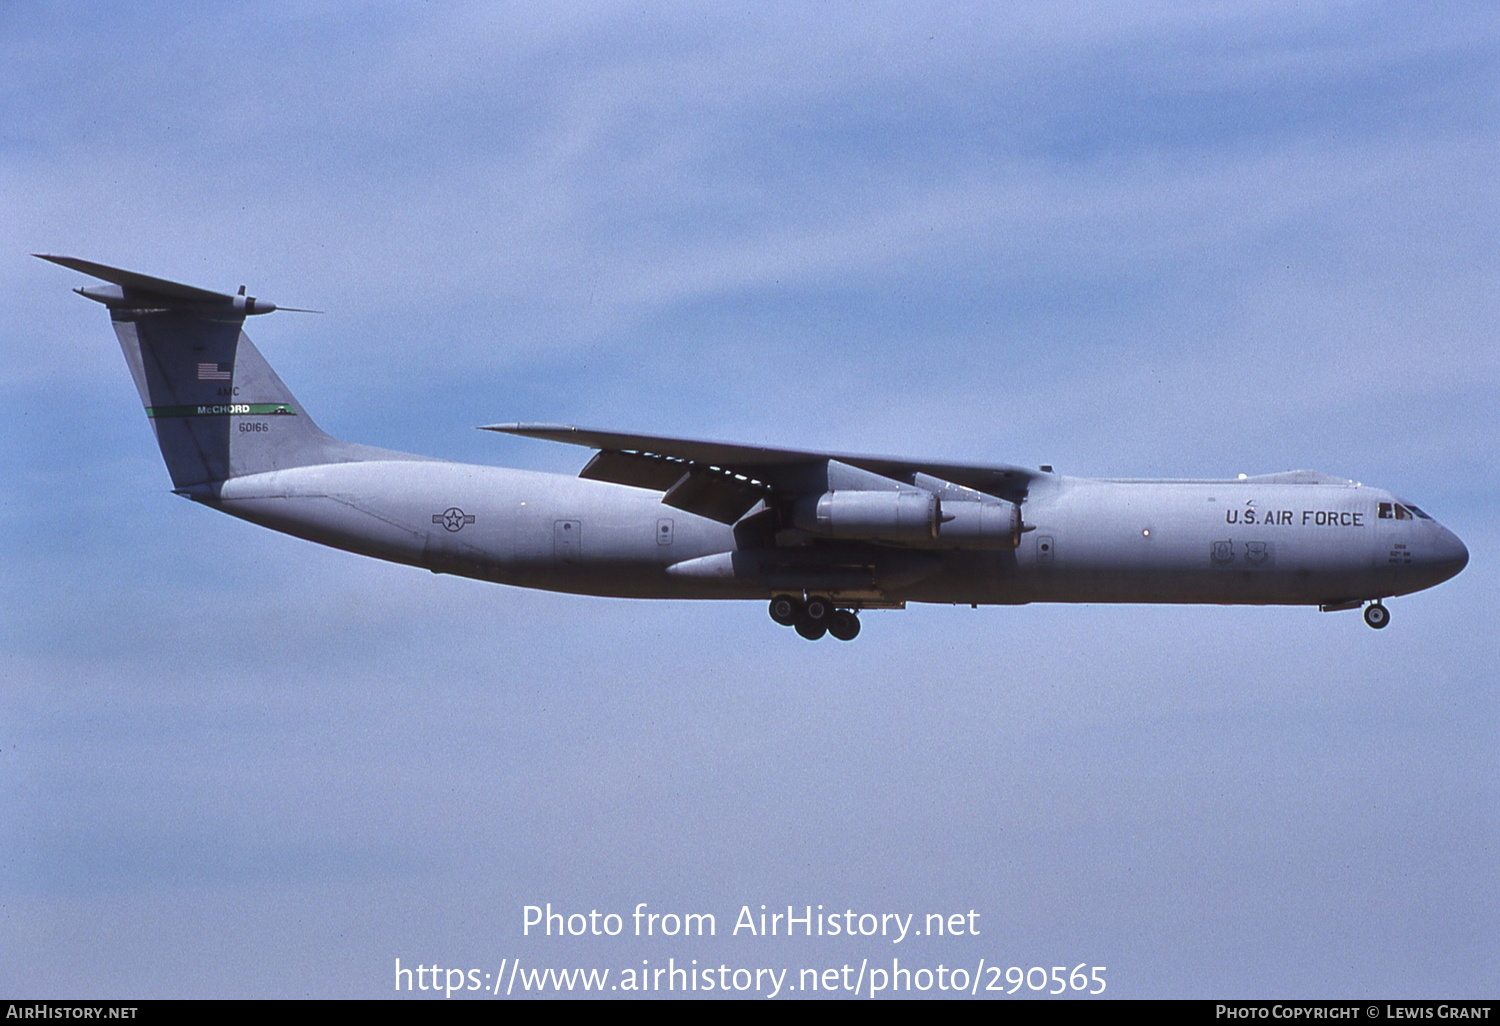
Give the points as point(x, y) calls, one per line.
point(1157, 239)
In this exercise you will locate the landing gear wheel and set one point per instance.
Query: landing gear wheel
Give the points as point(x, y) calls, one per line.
point(1376, 615)
point(817, 610)
point(811, 631)
point(844, 625)
point(784, 610)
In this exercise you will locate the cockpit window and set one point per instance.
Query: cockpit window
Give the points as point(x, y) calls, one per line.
point(1397, 511)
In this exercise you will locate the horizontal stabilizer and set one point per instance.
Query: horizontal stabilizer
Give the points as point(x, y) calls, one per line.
point(141, 290)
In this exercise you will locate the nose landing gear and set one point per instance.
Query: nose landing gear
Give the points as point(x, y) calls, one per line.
point(815, 617)
point(1376, 615)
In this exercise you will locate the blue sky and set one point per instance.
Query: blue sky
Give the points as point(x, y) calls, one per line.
point(1165, 240)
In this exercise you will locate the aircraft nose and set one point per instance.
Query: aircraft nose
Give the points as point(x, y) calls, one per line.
point(1449, 555)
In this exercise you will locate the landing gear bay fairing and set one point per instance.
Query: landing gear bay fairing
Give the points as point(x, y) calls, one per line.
point(821, 536)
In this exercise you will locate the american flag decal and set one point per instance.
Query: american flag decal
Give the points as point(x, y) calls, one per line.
point(211, 372)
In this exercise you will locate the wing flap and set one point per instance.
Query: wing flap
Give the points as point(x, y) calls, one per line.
point(716, 494)
point(638, 470)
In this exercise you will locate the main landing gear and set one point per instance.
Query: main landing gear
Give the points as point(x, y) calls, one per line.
point(1376, 615)
point(815, 617)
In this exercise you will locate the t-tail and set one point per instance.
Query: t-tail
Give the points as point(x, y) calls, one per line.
point(218, 409)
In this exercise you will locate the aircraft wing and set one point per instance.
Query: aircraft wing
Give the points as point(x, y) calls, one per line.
point(723, 480)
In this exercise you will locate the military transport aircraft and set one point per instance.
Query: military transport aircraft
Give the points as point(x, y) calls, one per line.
point(820, 535)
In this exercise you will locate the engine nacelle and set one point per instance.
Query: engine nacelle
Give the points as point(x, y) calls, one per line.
point(979, 524)
point(904, 516)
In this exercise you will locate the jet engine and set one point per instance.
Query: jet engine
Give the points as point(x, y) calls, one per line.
point(979, 524)
point(906, 516)
point(911, 517)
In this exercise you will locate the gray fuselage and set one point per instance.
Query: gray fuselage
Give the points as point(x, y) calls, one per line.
point(1252, 541)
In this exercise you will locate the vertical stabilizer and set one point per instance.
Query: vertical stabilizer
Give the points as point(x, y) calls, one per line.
point(218, 409)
